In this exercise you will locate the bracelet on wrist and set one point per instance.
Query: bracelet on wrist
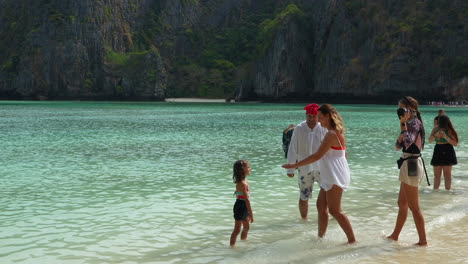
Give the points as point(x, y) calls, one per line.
point(402, 124)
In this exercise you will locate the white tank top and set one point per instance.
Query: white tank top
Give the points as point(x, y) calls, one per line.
point(334, 168)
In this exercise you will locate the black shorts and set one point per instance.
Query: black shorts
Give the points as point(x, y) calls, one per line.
point(444, 155)
point(240, 210)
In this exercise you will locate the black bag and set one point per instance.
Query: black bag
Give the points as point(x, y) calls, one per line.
point(400, 162)
point(286, 140)
point(412, 166)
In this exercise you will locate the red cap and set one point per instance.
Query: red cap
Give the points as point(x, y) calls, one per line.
point(312, 109)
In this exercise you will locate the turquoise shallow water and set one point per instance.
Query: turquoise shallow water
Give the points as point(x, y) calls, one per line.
point(103, 182)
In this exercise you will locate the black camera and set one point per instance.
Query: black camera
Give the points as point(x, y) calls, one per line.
point(401, 112)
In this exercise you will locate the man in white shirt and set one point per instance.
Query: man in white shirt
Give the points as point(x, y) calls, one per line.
point(306, 139)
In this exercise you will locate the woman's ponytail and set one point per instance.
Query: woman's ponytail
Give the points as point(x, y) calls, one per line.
point(422, 131)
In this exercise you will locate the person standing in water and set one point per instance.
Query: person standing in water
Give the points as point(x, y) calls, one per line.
point(334, 171)
point(444, 156)
point(411, 142)
point(305, 141)
point(242, 209)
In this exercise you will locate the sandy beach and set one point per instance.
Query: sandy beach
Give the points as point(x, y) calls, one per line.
point(194, 100)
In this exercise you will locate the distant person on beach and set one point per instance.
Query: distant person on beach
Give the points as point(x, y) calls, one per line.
point(243, 214)
point(305, 141)
point(411, 142)
point(439, 113)
point(287, 135)
point(334, 171)
point(444, 157)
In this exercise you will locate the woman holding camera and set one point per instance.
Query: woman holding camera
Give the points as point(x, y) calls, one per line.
point(444, 157)
point(411, 142)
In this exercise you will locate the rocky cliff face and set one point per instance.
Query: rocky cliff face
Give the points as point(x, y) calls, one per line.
point(287, 65)
point(263, 49)
point(368, 51)
point(373, 51)
point(61, 50)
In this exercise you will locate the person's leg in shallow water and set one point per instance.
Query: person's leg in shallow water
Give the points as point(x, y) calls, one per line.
point(235, 232)
point(322, 213)
point(245, 230)
point(412, 194)
point(304, 208)
point(447, 177)
point(409, 198)
point(437, 176)
point(402, 214)
point(334, 206)
point(305, 189)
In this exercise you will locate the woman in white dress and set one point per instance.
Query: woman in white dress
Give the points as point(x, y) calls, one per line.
point(334, 172)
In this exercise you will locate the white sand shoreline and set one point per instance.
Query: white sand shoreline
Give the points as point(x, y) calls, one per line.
point(194, 100)
point(203, 100)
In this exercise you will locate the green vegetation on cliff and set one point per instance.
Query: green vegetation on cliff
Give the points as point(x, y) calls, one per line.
point(269, 27)
point(221, 48)
point(14, 30)
point(127, 60)
point(221, 54)
point(416, 37)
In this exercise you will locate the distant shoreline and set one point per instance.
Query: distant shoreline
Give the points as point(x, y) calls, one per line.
point(194, 100)
point(221, 100)
point(211, 100)
point(445, 105)
point(203, 100)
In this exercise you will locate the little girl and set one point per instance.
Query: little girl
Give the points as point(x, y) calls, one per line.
point(243, 215)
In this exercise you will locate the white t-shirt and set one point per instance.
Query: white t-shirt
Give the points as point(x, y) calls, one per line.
point(305, 142)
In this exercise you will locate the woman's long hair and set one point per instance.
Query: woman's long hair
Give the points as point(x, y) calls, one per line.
point(445, 123)
point(408, 102)
point(336, 120)
point(238, 170)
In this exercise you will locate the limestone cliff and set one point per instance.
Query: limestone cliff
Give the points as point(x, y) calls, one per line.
point(76, 50)
point(374, 50)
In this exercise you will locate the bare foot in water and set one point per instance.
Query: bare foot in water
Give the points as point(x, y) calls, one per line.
point(349, 243)
point(391, 237)
point(421, 244)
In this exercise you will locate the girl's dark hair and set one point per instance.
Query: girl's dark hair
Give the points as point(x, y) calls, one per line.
point(445, 123)
point(409, 101)
point(238, 170)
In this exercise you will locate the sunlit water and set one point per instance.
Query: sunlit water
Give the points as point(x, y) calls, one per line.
point(104, 182)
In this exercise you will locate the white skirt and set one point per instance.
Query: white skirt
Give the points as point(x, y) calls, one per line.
point(419, 170)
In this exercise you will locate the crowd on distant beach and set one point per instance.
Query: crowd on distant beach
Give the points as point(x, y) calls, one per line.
point(449, 103)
